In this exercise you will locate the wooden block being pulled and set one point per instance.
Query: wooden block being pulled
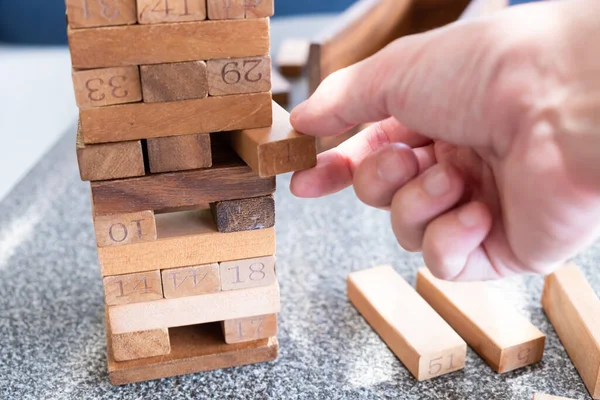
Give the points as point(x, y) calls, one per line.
point(179, 153)
point(281, 89)
point(132, 288)
point(249, 273)
point(174, 81)
point(275, 150)
point(249, 329)
point(542, 396)
point(107, 86)
point(244, 214)
point(226, 9)
point(573, 309)
point(239, 75)
point(259, 8)
point(191, 310)
point(167, 43)
point(293, 57)
point(419, 337)
point(121, 229)
point(138, 345)
point(108, 161)
point(193, 349)
point(94, 13)
point(191, 281)
point(149, 120)
point(184, 239)
point(497, 332)
point(161, 11)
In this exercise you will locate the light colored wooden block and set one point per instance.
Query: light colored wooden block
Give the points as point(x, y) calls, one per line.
point(174, 81)
point(161, 11)
point(138, 345)
point(259, 8)
point(226, 9)
point(192, 310)
point(107, 86)
point(239, 75)
point(121, 229)
point(244, 214)
point(249, 329)
point(248, 273)
point(419, 337)
point(281, 88)
point(132, 288)
point(150, 120)
point(168, 43)
point(497, 332)
point(573, 309)
point(94, 13)
point(191, 281)
point(179, 153)
point(184, 239)
point(277, 149)
point(542, 396)
point(293, 57)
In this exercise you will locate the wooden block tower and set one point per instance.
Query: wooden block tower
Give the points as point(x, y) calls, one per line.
point(181, 141)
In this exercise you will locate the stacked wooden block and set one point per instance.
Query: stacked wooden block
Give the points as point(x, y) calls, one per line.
point(181, 142)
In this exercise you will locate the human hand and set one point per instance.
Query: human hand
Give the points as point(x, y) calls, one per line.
point(488, 149)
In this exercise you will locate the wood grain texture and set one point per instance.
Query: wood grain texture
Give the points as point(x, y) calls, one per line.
point(542, 396)
point(107, 86)
point(244, 214)
point(191, 281)
point(249, 329)
point(186, 238)
point(99, 162)
point(143, 121)
point(497, 332)
point(573, 309)
point(292, 57)
point(132, 288)
point(281, 88)
point(166, 43)
point(259, 8)
point(226, 9)
point(275, 150)
point(249, 273)
point(174, 81)
point(179, 153)
point(239, 75)
point(419, 337)
point(94, 13)
point(122, 229)
point(428, 18)
point(193, 349)
point(161, 11)
point(184, 311)
point(138, 345)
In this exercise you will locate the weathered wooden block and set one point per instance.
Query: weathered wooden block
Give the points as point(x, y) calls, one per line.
point(259, 8)
point(94, 13)
point(244, 214)
point(107, 86)
point(191, 281)
point(160, 11)
point(138, 345)
point(226, 9)
point(249, 329)
point(179, 153)
point(248, 273)
point(239, 75)
point(132, 288)
point(122, 229)
point(174, 81)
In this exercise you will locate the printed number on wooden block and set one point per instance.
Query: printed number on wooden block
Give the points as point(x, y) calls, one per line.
point(239, 75)
point(92, 13)
point(138, 345)
point(249, 273)
point(259, 8)
point(191, 281)
point(237, 9)
point(107, 86)
point(157, 11)
point(250, 329)
point(121, 229)
point(132, 288)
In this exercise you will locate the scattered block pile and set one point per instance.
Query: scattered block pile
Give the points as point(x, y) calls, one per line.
point(181, 141)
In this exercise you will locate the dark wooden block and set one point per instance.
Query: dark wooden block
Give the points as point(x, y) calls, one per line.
point(174, 82)
point(244, 214)
point(179, 153)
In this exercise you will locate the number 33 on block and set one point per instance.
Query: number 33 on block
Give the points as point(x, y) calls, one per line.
point(239, 75)
point(107, 86)
point(157, 11)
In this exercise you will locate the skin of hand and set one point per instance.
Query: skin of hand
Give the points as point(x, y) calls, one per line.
point(487, 153)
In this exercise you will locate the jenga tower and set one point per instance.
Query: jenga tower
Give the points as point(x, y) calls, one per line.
point(169, 91)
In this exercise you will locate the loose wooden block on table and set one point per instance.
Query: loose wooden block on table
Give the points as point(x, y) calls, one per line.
point(138, 345)
point(542, 396)
point(249, 273)
point(167, 43)
point(160, 11)
point(244, 214)
point(293, 57)
point(184, 239)
point(498, 333)
point(226, 9)
point(179, 153)
point(122, 229)
point(419, 337)
point(277, 149)
point(174, 81)
point(94, 13)
point(150, 120)
point(239, 75)
point(192, 310)
point(193, 349)
point(191, 281)
point(573, 309)
point(249, 329)
point(107, 86)
point(281, 89)
point(132, 288)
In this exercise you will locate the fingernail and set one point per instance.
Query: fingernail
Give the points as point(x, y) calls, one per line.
point(391, 167)
point(469, 217)
point(437, 182)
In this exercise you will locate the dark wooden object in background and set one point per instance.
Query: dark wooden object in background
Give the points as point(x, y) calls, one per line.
point(244, 214)
point(179, 153)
